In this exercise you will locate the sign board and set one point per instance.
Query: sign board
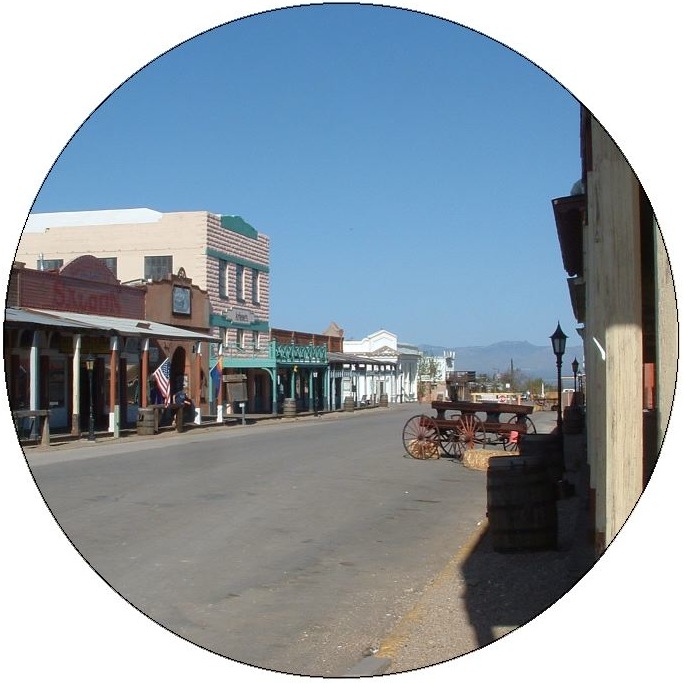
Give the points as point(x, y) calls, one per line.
point(241, 316)
point(180, 300)
point(236, 387)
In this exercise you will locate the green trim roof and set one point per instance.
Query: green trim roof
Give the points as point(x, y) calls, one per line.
point(225, 256)
point(239, 225)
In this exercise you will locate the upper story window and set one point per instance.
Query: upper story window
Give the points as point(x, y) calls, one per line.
point(223, 278)
point(158, 267)
point(49, 263)
point(240, 339)
point(110, 262)
point(256, 286)
point(240, 282)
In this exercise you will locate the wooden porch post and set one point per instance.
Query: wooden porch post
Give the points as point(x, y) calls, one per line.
point(114, 416)
point(76, 387)
point(144, 372)
point(219, 395)
point(197, 380)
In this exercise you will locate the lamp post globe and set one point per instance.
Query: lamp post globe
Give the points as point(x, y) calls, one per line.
point(575, 369)
point(558, 339)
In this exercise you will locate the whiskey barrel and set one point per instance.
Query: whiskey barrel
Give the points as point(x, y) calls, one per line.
point(146, 424)
point(548, 448)
point(521, 504)
point(289, 407)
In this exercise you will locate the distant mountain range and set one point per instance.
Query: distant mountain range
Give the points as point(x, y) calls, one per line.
point(533, 361)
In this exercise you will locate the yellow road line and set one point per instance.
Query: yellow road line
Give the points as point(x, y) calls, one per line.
point(402, 632)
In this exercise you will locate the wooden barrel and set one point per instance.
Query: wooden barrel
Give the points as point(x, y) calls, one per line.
point(146, 421)
point(289, 407)
point(348, 404)
point(521, 505)
point(573, 420)
point(384, 401)
point(548, 448)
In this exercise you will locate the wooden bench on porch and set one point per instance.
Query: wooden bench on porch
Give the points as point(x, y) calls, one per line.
point(176, 412)
point(27, 424)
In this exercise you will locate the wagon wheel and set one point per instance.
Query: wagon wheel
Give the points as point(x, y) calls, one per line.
point(511, 442)
point(421, 437)
point(469, 433)
point(449, 442)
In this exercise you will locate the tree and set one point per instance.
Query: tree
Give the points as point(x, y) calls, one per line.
point(429, 372)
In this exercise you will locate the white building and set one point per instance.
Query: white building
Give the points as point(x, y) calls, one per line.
point(384, 346)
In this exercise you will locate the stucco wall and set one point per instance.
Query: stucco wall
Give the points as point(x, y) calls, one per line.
point(180, 235)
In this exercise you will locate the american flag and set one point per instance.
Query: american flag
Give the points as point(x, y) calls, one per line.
point(162, 377)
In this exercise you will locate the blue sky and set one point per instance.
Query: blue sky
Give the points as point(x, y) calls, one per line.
point(403, 166)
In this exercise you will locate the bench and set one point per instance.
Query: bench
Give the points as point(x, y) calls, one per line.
point(174, 409)
point(26, 425)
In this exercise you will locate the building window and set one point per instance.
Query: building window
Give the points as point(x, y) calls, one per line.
point(240, 282)
point(158, 267)
point(256, 293)
point(49, 263)
point(223, 278)
point(240, 339)
point(256, 340)
point(110, 262)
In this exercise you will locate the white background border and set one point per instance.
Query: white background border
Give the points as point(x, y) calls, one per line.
point(60, 60)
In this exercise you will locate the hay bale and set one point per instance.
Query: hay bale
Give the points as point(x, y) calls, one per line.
point(478, 458)
point(423, 449)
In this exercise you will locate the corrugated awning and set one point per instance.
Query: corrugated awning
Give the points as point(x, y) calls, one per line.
point(336, 357)
point(85, 322)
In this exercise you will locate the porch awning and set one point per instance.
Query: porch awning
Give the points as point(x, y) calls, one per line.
point(569, 214)
point(336, 357)
point(84, 322)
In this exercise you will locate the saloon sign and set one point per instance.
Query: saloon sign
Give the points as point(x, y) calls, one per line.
point(67, 298)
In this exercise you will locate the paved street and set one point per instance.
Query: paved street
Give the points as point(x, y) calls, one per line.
point(291, 546)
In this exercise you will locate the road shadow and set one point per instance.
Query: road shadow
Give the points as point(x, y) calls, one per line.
point(505, 590)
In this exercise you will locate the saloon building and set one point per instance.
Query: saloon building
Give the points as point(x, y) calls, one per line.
point(222, 255)
point(76, 340)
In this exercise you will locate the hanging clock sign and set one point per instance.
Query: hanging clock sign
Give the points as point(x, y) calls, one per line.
point(180, 304)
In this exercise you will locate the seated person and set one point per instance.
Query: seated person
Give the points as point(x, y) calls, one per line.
point(181, 398)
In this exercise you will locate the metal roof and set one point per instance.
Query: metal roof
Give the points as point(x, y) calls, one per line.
point(335, 357)
point(128, 327)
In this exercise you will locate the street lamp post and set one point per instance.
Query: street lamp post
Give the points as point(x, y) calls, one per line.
point(90, 364)
point(575, 368)
point(558, 339)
